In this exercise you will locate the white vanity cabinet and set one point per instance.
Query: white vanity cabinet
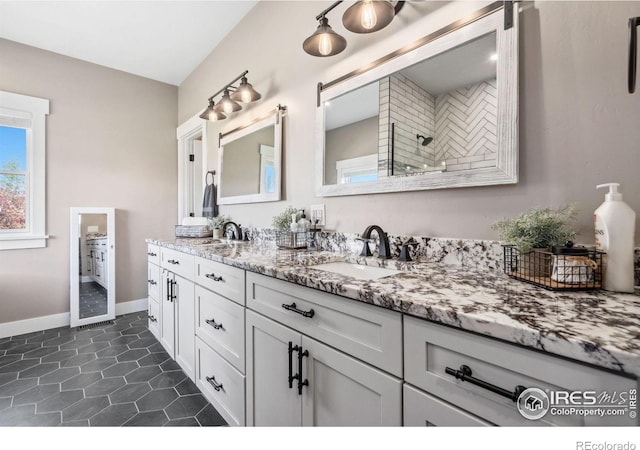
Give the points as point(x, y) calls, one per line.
point(433, 353)
point(153, 286)
point(98, 260)
point(308, 382)
point(177, 324)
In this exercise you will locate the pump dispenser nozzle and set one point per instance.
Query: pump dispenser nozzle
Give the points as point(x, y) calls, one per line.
point(613, 193)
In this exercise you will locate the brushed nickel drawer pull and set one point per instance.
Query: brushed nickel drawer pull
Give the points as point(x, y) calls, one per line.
point(153, 319)
point(212, 276)
point(212, 381)
point(465, 374)
point(212, 322)
point(292, 307)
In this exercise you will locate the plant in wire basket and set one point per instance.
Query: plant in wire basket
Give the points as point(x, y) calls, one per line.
point(282, 222)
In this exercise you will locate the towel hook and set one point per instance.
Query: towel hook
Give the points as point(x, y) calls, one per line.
point(206, 177)
point(634, 23)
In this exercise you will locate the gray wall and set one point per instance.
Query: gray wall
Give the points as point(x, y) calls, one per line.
point(241, 174)
point(110, 143)
point(578, 125)
point(350, 141)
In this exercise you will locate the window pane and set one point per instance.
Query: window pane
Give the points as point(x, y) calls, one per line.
point(13, 148)
point(12, 202)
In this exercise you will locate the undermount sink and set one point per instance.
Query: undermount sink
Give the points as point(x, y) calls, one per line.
point(356, 270)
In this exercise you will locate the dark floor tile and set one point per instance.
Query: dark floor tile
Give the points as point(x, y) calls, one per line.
point(19, 366)
point(167, 379)
point(75, 344)
point(187, 422)
point(17, 387)
point(98, 364)
point(105, 337)
point(155, 348)
point(16, 415)
point(209, 417)
point(170, 365)
point(143, 343)
point(43, 420)
point(41, 338)
point(114, 415)
point(60, 401)
point(60, 375)
point(104, 387)
point(36, 394)
point(93, 348)
point(23, 349)
point(133, 355)
point(134, 330)
point(189, 405)
point(78, 360)
point(147, 419)
point(187, 387)
point(40, 352)
point(157, 399)
point(124, 340)
point(13, 343)
point(39, 370)
point(146, 334)
point(4, 360)
point(7, 377)
point(81, 381)
point(59, 356)
point(85, 409)
point(120, 369)
point(58, 340)
point(129, 392)
point(33, 334)
point(154, 359)
point(143, 374)
point(89, 333)
point(75, 423)
point(5, 402)
point(114, 350)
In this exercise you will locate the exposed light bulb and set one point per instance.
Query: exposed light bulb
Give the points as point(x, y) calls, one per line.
point(327, 103)
point(493, 57)
point(227, 107)
point(245, 96)
point(368, 17)
point(324, 46)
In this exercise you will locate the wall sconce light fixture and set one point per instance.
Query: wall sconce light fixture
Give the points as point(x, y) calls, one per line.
point(364, 16)
point(231, 95)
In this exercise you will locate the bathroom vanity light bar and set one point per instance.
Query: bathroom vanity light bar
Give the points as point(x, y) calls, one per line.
point(231, 95)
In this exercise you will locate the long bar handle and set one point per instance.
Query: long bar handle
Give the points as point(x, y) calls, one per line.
point(465, 374)
point(212, 276)
point(301, 383)
point(634, 23)
point(213, 323)
point(212, 381)
point(292, 377)
point(292, 307)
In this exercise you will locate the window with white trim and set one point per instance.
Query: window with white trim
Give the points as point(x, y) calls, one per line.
point(357, 170)
point(22, 171)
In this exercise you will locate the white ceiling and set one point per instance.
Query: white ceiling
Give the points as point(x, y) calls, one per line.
point(161, 40)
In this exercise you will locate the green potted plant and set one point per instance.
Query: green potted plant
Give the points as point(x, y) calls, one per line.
point(282, 222)
point(217, 223)
point(536, 231)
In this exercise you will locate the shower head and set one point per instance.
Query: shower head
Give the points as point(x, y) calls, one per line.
point(426, 140)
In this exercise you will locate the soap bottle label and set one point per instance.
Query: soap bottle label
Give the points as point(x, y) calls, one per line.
point(600, 233)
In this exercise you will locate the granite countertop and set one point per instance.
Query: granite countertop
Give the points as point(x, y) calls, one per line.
point(596, 327)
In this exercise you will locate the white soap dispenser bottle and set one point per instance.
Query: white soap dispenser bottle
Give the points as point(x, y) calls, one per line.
point(615, 227)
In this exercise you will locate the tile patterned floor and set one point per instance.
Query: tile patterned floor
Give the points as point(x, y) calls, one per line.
point(93, 300)
point(112, 375)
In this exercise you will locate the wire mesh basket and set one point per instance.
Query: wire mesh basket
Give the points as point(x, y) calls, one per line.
point(193, 231)
point(290, 239)
point(562, 268)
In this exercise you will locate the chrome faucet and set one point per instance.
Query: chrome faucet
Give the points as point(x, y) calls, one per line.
point(236, 233)
point(383, 248)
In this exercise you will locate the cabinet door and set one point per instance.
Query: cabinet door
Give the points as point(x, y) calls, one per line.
point(167, 331)
point(184, 307)
point(270, 400)
point(154, 317)
point(343, 391)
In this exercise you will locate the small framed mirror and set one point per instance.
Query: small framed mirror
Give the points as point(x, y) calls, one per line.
point(439, 113)
point(92, 265)
point(250, 161)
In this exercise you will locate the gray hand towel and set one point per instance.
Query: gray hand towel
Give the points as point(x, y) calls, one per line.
point(209, 204)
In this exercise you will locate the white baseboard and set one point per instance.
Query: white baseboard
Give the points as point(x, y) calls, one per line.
point(19, 327)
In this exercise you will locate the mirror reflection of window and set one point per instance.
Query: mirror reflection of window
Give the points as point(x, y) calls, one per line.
point(267, 170)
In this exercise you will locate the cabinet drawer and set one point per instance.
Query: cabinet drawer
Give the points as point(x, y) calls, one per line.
point(154, 317)
point(153, 281)
point(177, 262)
point(153, 254)
point(225, 280)
point(220, 383)
point(369, 333)
point(422, 409)
point(431, 348)
point(224, 331)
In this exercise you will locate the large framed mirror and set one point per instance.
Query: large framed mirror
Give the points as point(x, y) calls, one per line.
point(250, 161)
point(440, 113)
point(92, 266)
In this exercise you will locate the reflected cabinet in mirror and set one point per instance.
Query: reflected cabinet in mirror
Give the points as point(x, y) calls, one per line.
point(442, 115)
point(249, 161)
point(92, 265)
